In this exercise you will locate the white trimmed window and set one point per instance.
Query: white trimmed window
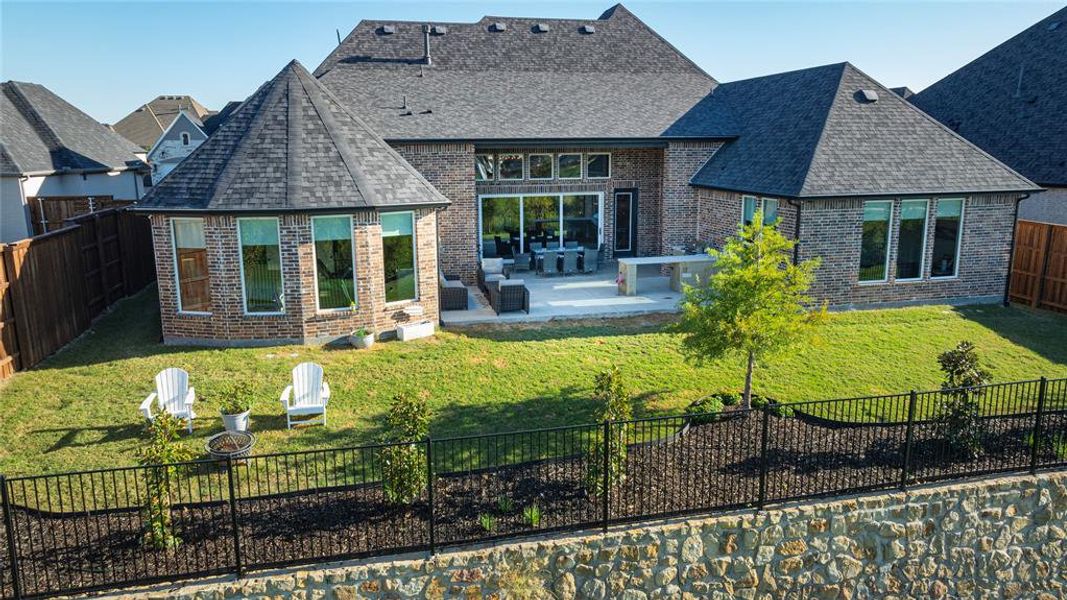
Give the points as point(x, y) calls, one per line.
point(398, 256)
point(911, 239)
point(484, 167)
point(335, 262)
point(598, 165)
point(874, 247)
point(948, 236)
point(190, 265)
point(510, 167)
point(261, 265)
point(542, 166)
point(570, 166)
point(749, 205)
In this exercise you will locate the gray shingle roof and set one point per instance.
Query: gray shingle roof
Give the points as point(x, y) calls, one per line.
point(620, 81)
point(809, 133)
point(291, 146)
point(147, 122)
point(41, 133)
point(1012, 101)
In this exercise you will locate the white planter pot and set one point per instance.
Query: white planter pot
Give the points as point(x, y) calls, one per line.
point(361, 341)
point(414, 331)
point(237, 422)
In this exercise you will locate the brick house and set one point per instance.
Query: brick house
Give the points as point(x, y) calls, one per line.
point(516, 130)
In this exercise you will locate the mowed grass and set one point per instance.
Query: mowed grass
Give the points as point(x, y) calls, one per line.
point(78, 410)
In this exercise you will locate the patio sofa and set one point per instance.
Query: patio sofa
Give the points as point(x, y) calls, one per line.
point(452, 292)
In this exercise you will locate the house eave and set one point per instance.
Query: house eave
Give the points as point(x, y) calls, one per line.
point(867, 194)
point(525, 142)
point(279, 211)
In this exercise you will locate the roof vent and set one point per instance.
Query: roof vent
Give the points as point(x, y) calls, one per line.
point(438, 30)
point(587, 29)
point(387, 30)
point(1053, 26)
point(867, 96)
point(498, 26)
point(541, 28)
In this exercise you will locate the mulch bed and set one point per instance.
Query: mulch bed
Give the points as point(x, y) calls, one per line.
point(711, 466)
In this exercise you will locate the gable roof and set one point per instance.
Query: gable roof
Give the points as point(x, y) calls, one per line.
point(41, 134)
point(183, 123)
point(291, 146)
point(1012, 101)
point(811, 133)
point(506, 78)
point(147, 122)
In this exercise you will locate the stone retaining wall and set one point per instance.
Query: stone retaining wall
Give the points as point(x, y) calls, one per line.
point(995, 538)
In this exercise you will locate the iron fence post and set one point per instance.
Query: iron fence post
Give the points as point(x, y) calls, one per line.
point(429, 486)
point(607, 476)
point(1035, 436)
point(238, 563)
point(908, 437)
point(9, 527)
point(763, 458)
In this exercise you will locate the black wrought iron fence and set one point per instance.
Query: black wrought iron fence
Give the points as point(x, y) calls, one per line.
point(74, 532)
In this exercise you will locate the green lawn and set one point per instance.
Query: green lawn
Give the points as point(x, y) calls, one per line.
point(78, 410)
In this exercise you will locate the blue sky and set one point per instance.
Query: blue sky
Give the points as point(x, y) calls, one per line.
point(108, 58)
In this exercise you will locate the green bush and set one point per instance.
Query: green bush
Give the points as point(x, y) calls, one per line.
point(959, 422)
point(505, 504)
point(704, 410)
point(404, 465)
point(159, 455)
point(779, 410)
point(1055, 442)
point(488, 522)
point(531, 515)
point(236, 397)
point(615, 406)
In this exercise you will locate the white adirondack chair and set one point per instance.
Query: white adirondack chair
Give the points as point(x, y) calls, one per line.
point(308, 395)
point(172, 395)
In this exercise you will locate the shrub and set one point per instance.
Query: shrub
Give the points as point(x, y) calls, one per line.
point(159, 455)
point(404, 465)
point(614, 402)
point(959, 421)
point(704, 410)
point(1056, 443)
point(505, 504)
point(487, 521)
point(778, 410)
point(531, 515)
point(236, 397)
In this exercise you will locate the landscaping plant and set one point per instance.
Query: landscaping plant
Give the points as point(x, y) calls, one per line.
point(505, 504)
point(615, 406)
point(159, 456)
point(959, 422)
point(236, 397)
point(404, 465)
point(755, 304)
point(487, 521)
point(531, 515)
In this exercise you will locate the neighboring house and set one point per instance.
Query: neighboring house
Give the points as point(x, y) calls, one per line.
point(182, 136)
point(1012, 103)
point(148, 122)
point(215, 120)
point(57, 162)
point(294, 222)
point(545, 130)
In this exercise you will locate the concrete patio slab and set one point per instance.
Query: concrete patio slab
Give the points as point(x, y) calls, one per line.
point(574, 297)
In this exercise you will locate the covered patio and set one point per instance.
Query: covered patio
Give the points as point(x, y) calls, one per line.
point(574, 297)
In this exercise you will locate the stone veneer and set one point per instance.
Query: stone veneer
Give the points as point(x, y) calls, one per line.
point(994, 538)
point(832, 230)
point(227, 324)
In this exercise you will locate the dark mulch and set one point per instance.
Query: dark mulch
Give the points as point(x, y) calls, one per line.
point(711, 466)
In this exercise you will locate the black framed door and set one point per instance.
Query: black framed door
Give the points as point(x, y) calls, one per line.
point(625, 225)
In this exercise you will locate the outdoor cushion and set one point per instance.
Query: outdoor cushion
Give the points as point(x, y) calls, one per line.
point(504, 282)
point(452, 284)
point(492, 265)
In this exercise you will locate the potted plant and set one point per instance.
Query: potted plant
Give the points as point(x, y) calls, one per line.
point(361, 338)
point(236, 406)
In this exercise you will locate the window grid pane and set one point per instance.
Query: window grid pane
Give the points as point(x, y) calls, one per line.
point(598, 166)
point(510, 166)
point(484, 167)
point(261, 261)
point(334, 267)
point(911, 239)
point(540, 166)
point(190, 257)
point(874, 250)
point(570, 166)
point(947, 228)
point(398, 256)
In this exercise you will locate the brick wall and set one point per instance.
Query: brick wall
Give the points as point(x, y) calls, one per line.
point(678, 211)
point(226, 322)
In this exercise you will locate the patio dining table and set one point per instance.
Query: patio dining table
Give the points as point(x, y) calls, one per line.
point(539, 254)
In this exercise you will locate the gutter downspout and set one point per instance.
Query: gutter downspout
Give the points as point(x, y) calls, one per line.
point(1011, 253)
point(796, 232)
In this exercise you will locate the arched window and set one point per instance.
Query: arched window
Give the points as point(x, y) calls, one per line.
point(185, 139)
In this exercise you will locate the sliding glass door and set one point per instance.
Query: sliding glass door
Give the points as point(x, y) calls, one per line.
point(511, 223)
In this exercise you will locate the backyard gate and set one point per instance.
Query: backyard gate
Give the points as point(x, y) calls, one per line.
point(1039, 271)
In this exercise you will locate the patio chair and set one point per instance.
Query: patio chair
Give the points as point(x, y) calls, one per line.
point(173, 395)
point(549, 264)
point(453, 294)
point(490, 271)
point(308, 395)
point(536, 246)
point(570, 262)
point(589, 260)
point(510, 295)
point(522, 262)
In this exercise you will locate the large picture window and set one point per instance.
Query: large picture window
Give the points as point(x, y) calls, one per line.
point(335, 274)
point(398, 256)
point(261, 265)
point(874, 250)
point(513, 224)
point(500, 226)
point(190, 265)
point(948, 229)
point(911, 239)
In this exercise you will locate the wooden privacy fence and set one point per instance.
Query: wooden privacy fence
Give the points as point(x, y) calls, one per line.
point(52, 286)
point(1039, 271)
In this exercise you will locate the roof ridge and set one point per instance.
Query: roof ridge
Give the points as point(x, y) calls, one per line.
point(910, 106)
point(43, 129)
point(822, 129)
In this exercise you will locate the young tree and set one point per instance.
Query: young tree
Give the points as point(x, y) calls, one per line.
point(614, 405)
point(960, 422)
point(754, 304)
point(404, 464)
point(158, 456)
